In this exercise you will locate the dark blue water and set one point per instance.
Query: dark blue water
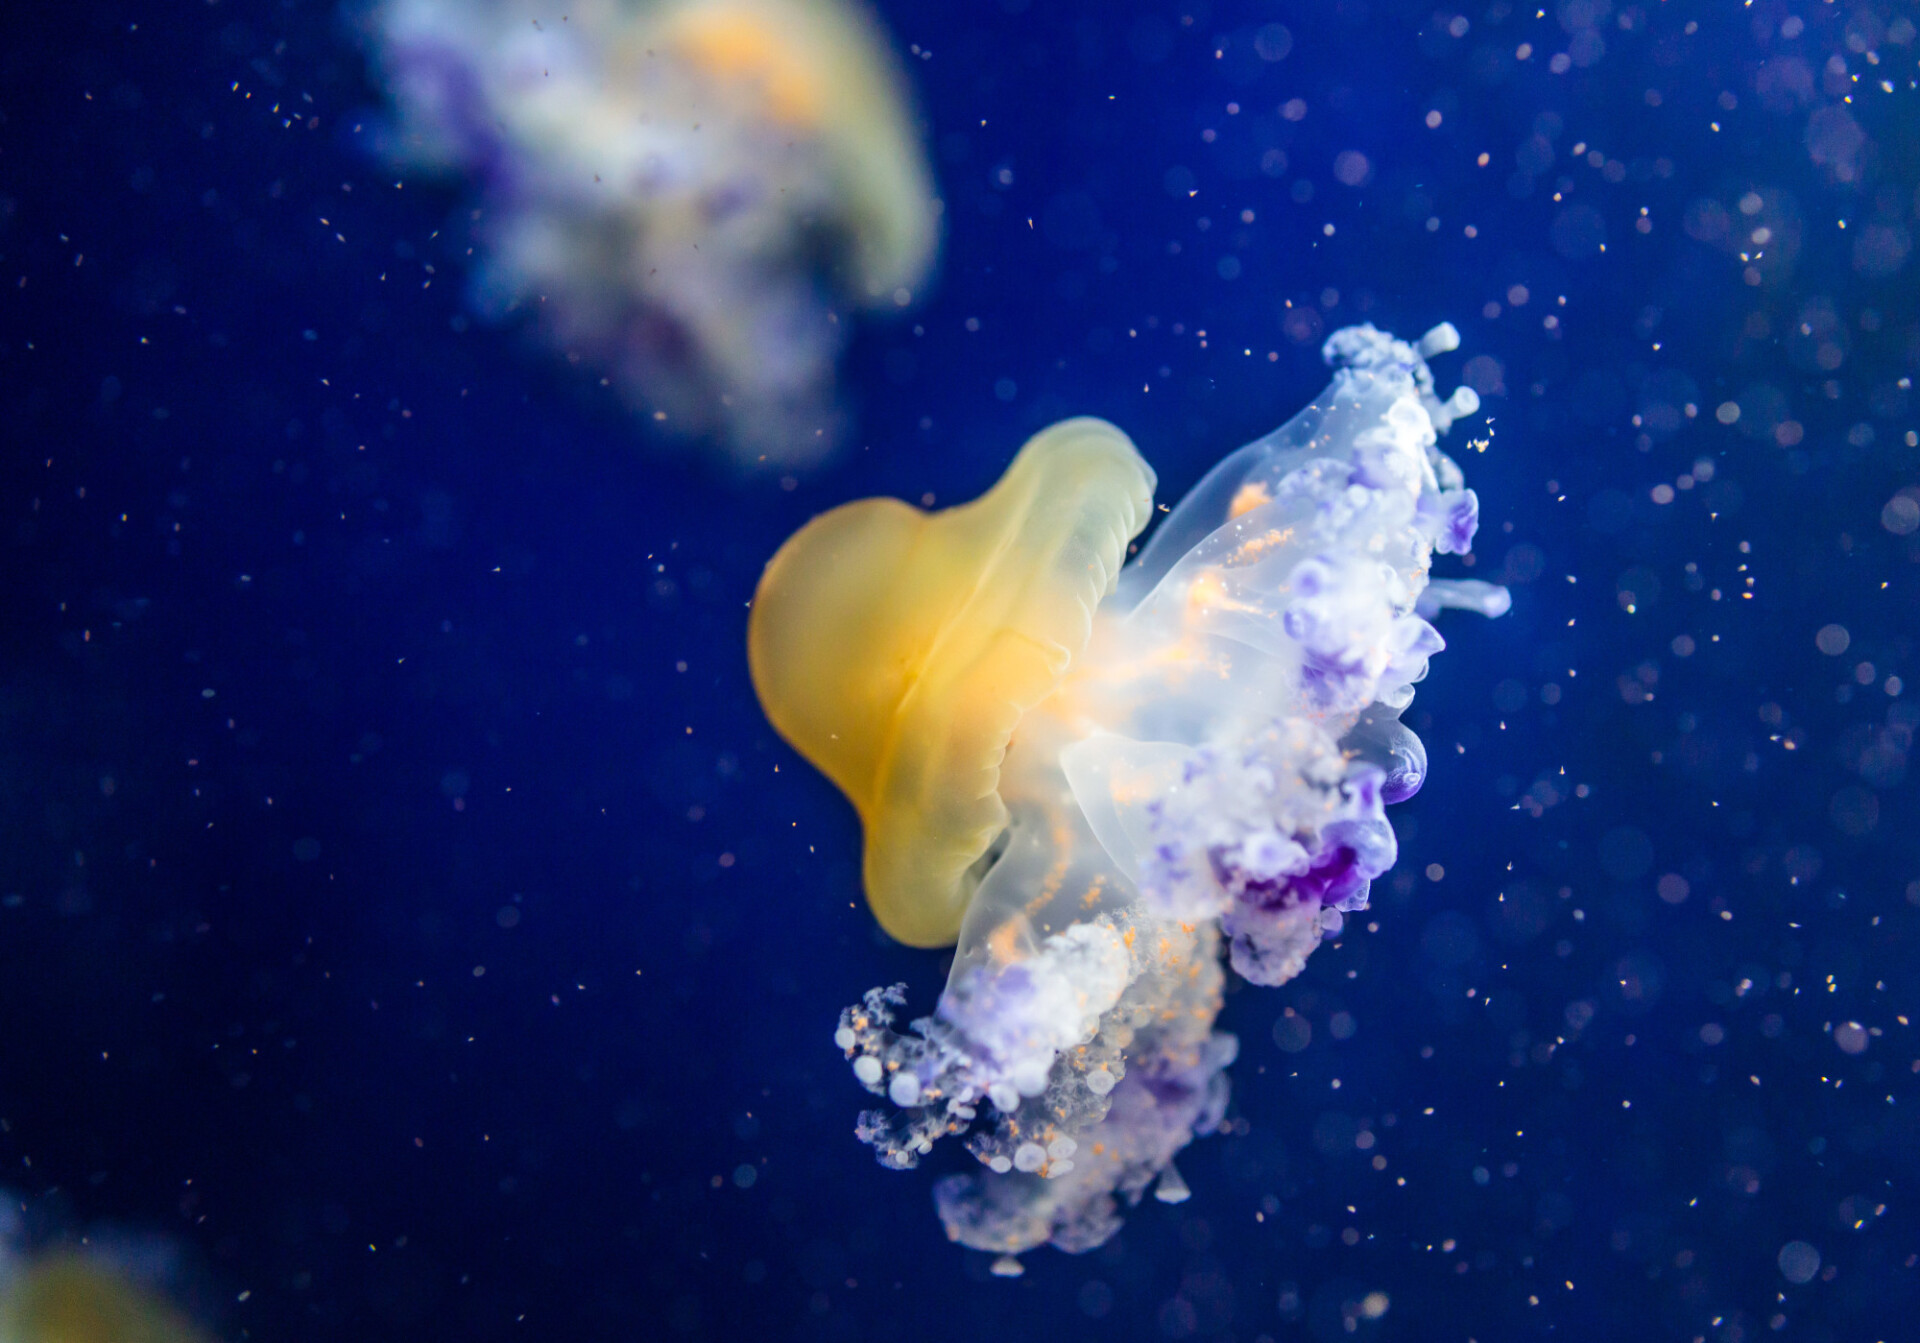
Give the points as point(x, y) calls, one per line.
point(403, 914)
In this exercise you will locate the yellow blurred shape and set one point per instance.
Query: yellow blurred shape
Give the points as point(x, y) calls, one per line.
point(823, 69)
point(67, 1299)
point(898, 649)
point(736, 43)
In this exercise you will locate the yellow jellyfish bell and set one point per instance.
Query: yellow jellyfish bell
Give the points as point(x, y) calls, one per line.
point(67, 1299)
point(898, 649)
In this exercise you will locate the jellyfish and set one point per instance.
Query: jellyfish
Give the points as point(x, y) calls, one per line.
point(686, 194)
point(70, 1298)
point(1101, 779)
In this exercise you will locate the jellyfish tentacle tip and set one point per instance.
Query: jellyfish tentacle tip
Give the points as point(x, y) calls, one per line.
point(1442, 339)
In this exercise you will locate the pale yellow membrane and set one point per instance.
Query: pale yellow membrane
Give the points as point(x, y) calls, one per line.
point(823, 68)
point(897, 650)
point(66, 1299)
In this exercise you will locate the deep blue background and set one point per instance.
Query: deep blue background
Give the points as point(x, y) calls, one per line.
point(351, 647)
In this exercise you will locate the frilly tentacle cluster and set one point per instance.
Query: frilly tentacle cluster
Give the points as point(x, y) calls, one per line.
point(1216, 768)
point(1095, 1060)
point(1277, 841)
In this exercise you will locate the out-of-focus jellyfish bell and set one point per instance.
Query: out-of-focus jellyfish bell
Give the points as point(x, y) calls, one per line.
point(1098, 783)
point(897, 650)
point(67, 1298)
point(684, 192)
point(820, 69)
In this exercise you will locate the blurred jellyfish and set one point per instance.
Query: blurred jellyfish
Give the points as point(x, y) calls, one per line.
point(68, 1298)
point(102, 1294)
point(686, 193)
point(1094, 777)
